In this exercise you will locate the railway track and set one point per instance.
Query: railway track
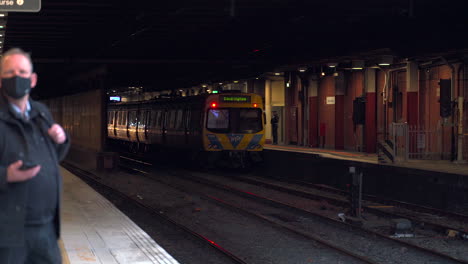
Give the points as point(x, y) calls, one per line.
point(438, 220)
point(200, 180)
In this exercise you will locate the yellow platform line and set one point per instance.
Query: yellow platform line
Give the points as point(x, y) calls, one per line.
point(65, 259)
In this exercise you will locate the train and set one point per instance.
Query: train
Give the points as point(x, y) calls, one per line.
point(217, 129)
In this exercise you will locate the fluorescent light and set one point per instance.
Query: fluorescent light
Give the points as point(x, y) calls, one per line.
point(357, 65)
point(385, 60)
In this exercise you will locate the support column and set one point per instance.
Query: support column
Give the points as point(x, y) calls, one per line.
point(339, 110)
point(412, 88)
point(313, 111)
point(268, 136)
point(371, 111)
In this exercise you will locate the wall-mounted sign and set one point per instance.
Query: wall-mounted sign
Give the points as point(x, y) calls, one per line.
point(330, 99)
point(20, 5)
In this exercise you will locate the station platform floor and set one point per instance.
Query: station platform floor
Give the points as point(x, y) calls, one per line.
point(95, 231)
point(443, 166)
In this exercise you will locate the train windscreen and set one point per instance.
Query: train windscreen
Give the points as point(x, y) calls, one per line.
point(234, 120)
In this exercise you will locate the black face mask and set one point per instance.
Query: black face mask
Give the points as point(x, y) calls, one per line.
point(16, 86)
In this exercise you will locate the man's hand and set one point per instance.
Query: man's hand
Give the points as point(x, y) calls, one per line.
point(15, 174)
point(57, 134)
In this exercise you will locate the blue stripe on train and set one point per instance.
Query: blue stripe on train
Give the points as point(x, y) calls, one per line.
point(255, 141)
point(214, 142)
point(235, 139)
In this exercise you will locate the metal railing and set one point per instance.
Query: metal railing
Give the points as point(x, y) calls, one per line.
point(416, 142)
point(399, 135)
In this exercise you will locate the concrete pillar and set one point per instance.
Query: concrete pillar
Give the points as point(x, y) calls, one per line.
point(339, 110)
point(313, 110)
point(370, 129)
point(412, 89)
point(268, 94)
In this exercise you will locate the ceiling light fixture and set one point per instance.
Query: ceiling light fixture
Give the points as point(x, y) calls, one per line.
point(385, 60)
point(332, 64)
point(357, 65)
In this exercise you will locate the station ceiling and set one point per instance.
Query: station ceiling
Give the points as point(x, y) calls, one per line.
point(180, 43)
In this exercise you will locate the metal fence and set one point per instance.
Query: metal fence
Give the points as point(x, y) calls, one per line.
point(399, 136)
point(416, 142)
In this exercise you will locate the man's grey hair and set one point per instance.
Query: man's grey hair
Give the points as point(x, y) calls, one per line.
point(13, 51)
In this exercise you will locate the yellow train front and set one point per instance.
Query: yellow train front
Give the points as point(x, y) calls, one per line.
point(234, 128)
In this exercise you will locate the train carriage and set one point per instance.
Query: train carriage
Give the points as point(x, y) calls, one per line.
point(213, 127)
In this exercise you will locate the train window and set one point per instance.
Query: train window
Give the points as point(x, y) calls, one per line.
point(119, 118)
point(124, 118)
point(147, 118)
point(179, 123)
point(141, 120)
point(187, 118)
point(250, 120)
point(132, 118)
point(196, 120)
point(218, 119)
point(172, 116)
point(157, 119)
point(235, 120)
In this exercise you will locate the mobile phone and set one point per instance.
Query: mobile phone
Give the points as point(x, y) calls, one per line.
point(27, 166)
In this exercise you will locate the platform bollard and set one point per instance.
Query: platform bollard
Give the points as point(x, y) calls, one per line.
point(355, 191)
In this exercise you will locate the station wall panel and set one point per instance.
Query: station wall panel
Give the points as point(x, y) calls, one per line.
point(326, 117)
point(81, 115)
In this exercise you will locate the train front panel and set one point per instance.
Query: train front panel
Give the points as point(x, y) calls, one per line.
point(233, 122)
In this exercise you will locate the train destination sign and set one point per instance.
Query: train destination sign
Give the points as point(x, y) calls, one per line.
point(20, 5)
point(235, 99)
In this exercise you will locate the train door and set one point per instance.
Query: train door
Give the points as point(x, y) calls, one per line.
point(186, 121)
point(146, 124)
point(141, 125)
point(164, 123)
point(132, 125)
point(114, 124)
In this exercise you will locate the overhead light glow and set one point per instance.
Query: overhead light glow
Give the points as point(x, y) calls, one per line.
point(277, 73)
point(332, 64)
point(357, 65)
point(385, 60)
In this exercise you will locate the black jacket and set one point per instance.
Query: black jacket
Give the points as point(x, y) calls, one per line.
point(14, 146)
